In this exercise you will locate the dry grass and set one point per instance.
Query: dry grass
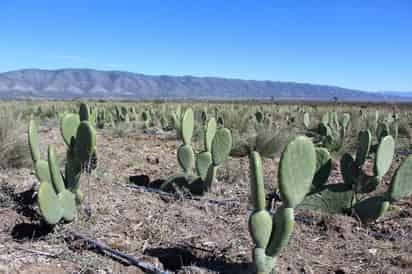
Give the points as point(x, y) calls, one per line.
point(14, 151)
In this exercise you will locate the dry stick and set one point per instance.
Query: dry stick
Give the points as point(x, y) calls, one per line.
point(41, 253)
point(147, 267)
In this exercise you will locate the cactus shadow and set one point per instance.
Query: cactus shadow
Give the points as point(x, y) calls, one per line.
point(144, 181)
point(30, 231)
point(177, 258)
point(25, 202)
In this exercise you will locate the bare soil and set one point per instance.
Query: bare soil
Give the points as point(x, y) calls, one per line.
point(178, 234)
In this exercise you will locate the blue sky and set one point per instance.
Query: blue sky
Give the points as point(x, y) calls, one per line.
point(355, 44)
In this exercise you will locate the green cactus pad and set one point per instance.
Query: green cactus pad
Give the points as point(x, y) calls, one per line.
point(323, 167)
point(371, 209)
point(42, 171)
point(382, 130)
point(401, 184)
point(188, 125)
point(296, 170)
point(348, 169)
point(264, 264)
point(221, 146)
point(260, 228)
point(345, 120)
point(73, 169)
point(334, 198)
point(364, 145)
point(49, 205)
point(306, 120)
point(34, 143)
point(67, 202)
point(56, 176)
point(68, 127)
point(384, 156)
point(185, 157)
point(282, 230)
point(257, 183)
point(210, 133)
point(365, 183)
point(84, 113)
point(85, 144)
point(211, 175)
point(203, 162)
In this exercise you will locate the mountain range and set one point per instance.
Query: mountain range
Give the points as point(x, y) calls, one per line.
point(88, 83)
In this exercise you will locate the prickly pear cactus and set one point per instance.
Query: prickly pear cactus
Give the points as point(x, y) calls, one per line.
point(217, 146)
point(345, 198)
point(271, 235)
point(80, 137)
point(55, 201)
point(332, 131)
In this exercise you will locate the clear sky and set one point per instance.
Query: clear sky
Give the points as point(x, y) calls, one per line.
point(350, 43)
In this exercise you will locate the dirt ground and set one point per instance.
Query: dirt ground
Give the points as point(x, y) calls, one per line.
point(178, 234)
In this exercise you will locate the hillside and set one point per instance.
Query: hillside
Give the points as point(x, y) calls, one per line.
point(69, 83)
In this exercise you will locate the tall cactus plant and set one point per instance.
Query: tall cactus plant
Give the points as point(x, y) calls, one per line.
point(217, 146)
point(80, 138)
point(271, 234)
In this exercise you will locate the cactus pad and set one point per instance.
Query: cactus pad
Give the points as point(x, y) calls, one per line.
point(203, 162)
point(384, 156)
point(84, 113)
point(42, 170)
point(56, 176)
point(34, 141)
point(348, 168)
point(306, 120)
point(49, 203)
point(221, 145)
point(257, 183)
point(382, 130)
point(68, 127)
point(401, 185)
point(260, 227)
point(85, 144)
point(364, 145)
point(185, 156)
point(296, 170)
point(334, 198)
point(210, 133)
point(323, 167)
point(282, 230)
point(188, 125)
point(371, 209)
point(67, 202)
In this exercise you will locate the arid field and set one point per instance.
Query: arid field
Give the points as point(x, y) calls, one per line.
point(177, 232)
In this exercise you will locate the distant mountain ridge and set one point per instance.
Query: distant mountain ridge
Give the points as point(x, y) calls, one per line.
point(397, 93)
point(88, 83)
